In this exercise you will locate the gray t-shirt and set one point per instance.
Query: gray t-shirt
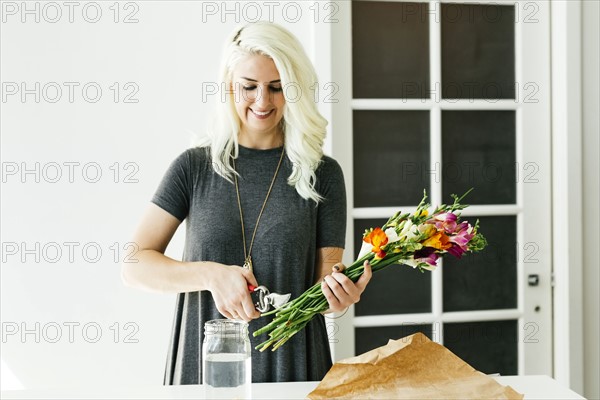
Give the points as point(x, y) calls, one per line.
point(290, 231)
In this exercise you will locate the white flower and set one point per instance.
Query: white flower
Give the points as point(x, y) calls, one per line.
point(428, 267)
point(391, 235)
point(410, 262)
point(409, 231)
point(365, 248)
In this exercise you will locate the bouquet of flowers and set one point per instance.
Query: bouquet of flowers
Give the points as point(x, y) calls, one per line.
point(416, 239)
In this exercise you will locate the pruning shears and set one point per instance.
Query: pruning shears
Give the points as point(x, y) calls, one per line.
point(264, 299)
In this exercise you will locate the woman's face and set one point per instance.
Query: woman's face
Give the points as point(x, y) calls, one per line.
point(258, 95)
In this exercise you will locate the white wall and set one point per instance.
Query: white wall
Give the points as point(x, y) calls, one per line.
point(166, 56)
point(591, 197)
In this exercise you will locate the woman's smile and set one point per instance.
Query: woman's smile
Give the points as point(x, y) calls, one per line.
point(261, 114)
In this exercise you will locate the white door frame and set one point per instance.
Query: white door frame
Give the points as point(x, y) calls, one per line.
point(567, 192)
point(341, 140)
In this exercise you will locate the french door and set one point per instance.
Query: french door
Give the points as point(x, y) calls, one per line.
point(445, 96)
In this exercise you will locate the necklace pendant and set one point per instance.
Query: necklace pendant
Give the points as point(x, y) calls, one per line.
point(248, 263)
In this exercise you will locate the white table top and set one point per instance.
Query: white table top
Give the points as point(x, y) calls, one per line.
point(534, 387)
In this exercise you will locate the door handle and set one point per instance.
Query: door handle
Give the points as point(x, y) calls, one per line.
point(533, 280)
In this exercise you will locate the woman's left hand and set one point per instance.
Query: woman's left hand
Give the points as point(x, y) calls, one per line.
point(340, 291)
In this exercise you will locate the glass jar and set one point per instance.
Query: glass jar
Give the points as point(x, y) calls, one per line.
point(226, 359)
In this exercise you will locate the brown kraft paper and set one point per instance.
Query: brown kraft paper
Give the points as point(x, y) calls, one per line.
point(413, 367)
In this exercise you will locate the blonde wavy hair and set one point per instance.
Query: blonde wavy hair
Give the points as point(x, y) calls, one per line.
point(304, 128)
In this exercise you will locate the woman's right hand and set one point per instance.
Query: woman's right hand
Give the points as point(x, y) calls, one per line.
point(154, 271)
point(228, 285)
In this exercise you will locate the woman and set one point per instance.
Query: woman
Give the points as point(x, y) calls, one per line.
point(258, 189)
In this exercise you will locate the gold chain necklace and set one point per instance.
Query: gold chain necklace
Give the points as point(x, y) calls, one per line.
point(248, 253)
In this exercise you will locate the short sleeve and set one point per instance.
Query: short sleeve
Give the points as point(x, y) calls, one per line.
point(331, 215)
point(175, 189)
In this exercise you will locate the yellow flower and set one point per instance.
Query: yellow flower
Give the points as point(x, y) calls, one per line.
point(423, 213)
point(427, 230)
point(438, 241)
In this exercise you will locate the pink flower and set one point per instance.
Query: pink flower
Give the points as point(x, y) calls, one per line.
point(460, 240)
point(457, 251)
point(444, 221)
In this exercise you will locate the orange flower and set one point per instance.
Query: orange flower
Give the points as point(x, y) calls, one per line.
point(438, 241)
point(378, 239)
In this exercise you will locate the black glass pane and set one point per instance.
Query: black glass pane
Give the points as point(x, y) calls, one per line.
point(485, 280)
point(390, 49)
point(391, 157)
point(479, 152)
point(489, 347)
point(478, 51)
point(366, 339)
point(397, 289)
